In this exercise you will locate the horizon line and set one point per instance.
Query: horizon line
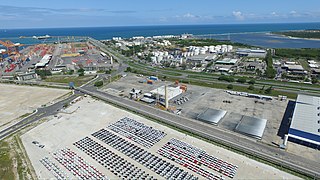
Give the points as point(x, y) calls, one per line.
point(158, 25)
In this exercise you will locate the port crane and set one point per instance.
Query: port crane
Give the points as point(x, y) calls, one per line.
point(12, 49)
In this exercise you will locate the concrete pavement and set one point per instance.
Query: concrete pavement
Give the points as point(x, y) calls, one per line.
point(227, 138)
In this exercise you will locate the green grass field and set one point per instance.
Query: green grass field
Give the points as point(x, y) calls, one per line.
point(6, 163)
point(78, 80)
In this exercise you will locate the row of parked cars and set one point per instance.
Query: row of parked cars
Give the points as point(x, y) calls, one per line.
point(138, 132)
point(142, 156)
point(77, 165)
point(181, 100)
point(54, 169)
point(193, 156)
point(113, 162)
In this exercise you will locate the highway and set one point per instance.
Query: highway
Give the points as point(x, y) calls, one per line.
point(206, 78)
point(38, 115)
point(225, 137)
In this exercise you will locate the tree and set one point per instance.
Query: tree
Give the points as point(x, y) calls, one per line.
point(252, 81)
point(81, 70)
point(242, 80)
point(81, 74)
point(268, 90)
point(270, 72)
point(230, 86)
point(226, 78)
point(258, 72)
point(128, 69)
point(43, 73)
point(183, 66)
point(314, 80)
point(98, 83)
point(251, 87)
point(108, 71)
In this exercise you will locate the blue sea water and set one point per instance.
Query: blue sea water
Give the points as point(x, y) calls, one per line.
point(253, 34)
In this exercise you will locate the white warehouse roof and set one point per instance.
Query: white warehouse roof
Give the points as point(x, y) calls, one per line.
point(172, 91)
point(251, 126)
point(212, 116)
point(305, 123)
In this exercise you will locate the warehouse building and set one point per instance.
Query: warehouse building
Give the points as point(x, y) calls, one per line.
point(44, 61)
point(260, 53)
point(305, 123)
point(172, 92)
point(251, 126)
point(212, 116)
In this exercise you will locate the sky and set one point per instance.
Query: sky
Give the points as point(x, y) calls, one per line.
point(103, 13)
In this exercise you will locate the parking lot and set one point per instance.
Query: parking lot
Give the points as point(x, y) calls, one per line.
point(85, 136)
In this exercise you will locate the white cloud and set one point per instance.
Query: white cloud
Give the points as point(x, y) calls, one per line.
point(274, 14)
point(238, 15)
point(294, 14)
point(189, 15)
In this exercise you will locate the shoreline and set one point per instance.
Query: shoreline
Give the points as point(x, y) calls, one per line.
point(292, 37)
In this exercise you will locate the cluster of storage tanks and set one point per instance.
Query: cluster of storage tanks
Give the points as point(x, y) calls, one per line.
point(195, 51)
point(164, 43)
point(158, 56)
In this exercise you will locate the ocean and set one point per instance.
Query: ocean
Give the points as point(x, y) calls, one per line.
point(253, 34)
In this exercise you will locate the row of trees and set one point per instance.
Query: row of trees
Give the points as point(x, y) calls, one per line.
point(251, 87)
point(270, 71)
point(239, 80)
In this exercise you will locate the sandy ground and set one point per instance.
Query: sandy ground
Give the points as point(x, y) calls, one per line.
point(93, 115)
point(16, 101)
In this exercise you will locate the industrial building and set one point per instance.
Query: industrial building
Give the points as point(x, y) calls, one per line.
point(251, 126)
point(227, 61)
point(260, 53)
point(212, 116)
point(44, 61)
point(27, 76)
point(305, 123)
point(172, 91)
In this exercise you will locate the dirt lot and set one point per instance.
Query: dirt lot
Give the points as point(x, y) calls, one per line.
point(16, 101)
point(92, 115)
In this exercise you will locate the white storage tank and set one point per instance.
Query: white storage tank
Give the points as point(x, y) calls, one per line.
point(203, 51)
point(230, 48)
point(154, 59)
point(211, 49)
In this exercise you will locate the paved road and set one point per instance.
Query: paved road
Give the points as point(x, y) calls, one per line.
point(290, 88)
point(236, 141)
point(41, 113)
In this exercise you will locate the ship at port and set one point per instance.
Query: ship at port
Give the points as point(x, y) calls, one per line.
point(42, 37)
